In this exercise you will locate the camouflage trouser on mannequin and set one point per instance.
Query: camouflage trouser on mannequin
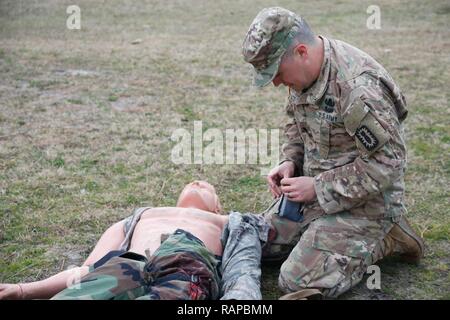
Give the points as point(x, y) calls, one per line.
point(332, 253)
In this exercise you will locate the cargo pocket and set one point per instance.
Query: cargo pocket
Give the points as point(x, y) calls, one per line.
point(343, 241)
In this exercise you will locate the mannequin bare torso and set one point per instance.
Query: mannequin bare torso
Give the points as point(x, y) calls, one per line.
point(155, 222)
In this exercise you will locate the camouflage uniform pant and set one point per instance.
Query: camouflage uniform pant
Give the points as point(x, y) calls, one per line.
point(181, 268)
point(332, 253)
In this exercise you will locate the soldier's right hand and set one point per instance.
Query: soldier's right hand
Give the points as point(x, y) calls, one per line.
point(10, 292)
point(284, 170)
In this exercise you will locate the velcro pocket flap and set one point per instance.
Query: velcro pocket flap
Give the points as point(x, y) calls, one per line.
point(354, 115)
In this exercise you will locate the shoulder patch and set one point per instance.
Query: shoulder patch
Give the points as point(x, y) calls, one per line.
point(362, 124)
point(367, 138)
point(370, 135)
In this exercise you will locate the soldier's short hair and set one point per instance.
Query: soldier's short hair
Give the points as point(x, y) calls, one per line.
point(303, 34)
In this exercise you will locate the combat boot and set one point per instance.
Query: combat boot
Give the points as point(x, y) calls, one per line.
point(402, 240)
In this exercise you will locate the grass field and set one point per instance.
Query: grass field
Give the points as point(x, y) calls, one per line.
point(86, 118)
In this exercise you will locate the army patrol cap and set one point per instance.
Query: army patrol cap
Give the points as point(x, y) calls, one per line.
point(267, 39)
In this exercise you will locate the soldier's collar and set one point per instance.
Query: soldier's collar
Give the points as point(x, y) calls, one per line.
point(316, 91)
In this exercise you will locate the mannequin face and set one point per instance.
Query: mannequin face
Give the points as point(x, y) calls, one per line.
point(200, 195)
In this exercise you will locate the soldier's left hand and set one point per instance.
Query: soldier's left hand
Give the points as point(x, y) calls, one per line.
point(299, 189)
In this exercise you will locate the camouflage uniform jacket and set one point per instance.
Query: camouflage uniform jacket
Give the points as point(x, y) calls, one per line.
point(346, 132)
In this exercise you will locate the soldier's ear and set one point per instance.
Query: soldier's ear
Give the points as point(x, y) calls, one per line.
point(301, 49)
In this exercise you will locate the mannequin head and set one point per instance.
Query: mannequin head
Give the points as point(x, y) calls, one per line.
point(200, 195)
